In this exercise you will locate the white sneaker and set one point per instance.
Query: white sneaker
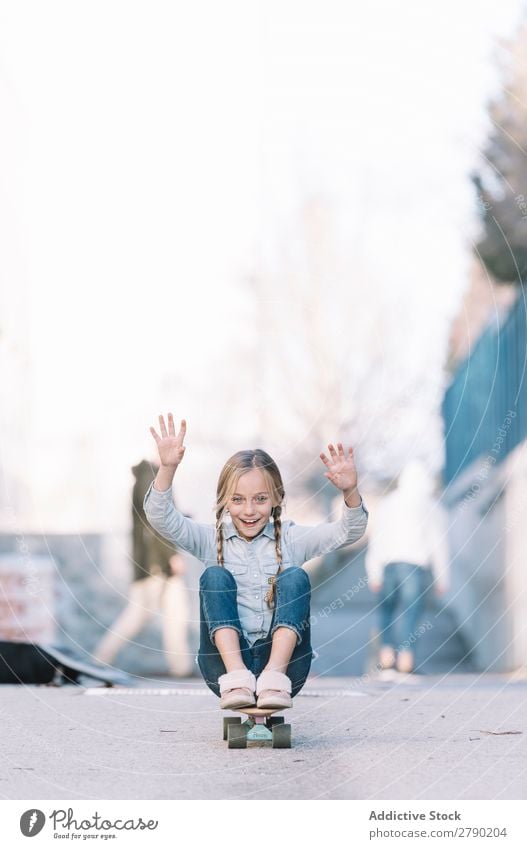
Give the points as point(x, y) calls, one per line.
point(273, 690)
point(237, 689)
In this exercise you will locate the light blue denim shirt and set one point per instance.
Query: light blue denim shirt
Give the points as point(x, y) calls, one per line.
point(252, 562)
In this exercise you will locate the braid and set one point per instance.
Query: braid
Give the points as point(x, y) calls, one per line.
point(277, 512)
point(219, 538)
point(278, 547)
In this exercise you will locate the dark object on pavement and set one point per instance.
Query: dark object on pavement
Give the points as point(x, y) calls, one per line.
point(33, 663)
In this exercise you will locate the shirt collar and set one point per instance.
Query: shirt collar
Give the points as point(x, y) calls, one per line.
point(230, 531)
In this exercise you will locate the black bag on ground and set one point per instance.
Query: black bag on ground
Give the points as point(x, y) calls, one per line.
point(33, 663)
point(25, 663)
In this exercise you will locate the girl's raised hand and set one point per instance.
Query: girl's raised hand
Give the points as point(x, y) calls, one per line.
point(341, 469)
point(170, 446)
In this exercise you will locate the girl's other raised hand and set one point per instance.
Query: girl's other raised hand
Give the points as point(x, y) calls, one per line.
point(170, 446)
point(341, 469)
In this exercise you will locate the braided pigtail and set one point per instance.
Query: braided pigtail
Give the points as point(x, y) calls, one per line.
point(219, 538)
point(276, 513)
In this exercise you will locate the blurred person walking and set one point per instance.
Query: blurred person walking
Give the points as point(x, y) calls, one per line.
point(158, 585)
point(407, 552)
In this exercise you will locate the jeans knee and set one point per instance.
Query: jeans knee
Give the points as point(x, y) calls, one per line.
point(297, 577)
point(216, 577)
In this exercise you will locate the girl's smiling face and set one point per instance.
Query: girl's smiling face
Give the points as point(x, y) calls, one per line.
point(250, 505)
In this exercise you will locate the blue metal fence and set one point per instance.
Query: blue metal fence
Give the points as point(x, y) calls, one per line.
point(485, 406)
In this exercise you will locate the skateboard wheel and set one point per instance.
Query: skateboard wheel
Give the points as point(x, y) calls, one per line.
point(236, 735)
point(281, 735)
point(275, 720)
point(229, 720)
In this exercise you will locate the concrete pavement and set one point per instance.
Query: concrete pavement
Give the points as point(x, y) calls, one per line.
point(411, 737)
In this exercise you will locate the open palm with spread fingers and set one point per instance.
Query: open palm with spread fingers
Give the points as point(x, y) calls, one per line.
point(170, 446)
point(341, 469)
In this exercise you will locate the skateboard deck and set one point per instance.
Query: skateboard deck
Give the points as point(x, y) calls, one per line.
point(255, 711)
point(70, 668)
point(260, 727)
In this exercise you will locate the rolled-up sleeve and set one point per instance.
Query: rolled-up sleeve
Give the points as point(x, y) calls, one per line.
point(186, 534)
point(308, 542)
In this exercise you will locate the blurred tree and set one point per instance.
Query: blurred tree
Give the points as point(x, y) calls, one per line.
point(502, 181)
point(307, 360)
point(330, 360)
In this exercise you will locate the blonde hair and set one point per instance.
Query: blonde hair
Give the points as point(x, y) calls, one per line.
point(234, 468)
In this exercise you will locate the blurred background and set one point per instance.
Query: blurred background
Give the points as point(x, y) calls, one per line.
point(288, 223)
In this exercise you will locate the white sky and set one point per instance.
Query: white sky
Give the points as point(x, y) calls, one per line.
point(153, 154)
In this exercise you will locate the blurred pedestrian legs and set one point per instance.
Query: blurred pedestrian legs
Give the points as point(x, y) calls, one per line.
point(158, 587)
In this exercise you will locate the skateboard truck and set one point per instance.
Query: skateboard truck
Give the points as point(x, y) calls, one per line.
point(259, 727)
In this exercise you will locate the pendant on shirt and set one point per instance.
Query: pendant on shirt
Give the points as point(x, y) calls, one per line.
point(271, 580)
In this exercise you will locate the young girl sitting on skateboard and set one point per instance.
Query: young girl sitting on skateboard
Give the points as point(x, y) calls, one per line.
point(255, 642)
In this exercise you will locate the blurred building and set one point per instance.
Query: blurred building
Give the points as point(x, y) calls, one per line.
point(484, 303)
point(485, 416)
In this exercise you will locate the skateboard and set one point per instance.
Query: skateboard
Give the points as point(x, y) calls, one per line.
point(69, 668)
point(260, 727)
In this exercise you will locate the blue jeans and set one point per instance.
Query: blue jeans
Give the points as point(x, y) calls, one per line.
point(219, 609)
point(403, 589)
